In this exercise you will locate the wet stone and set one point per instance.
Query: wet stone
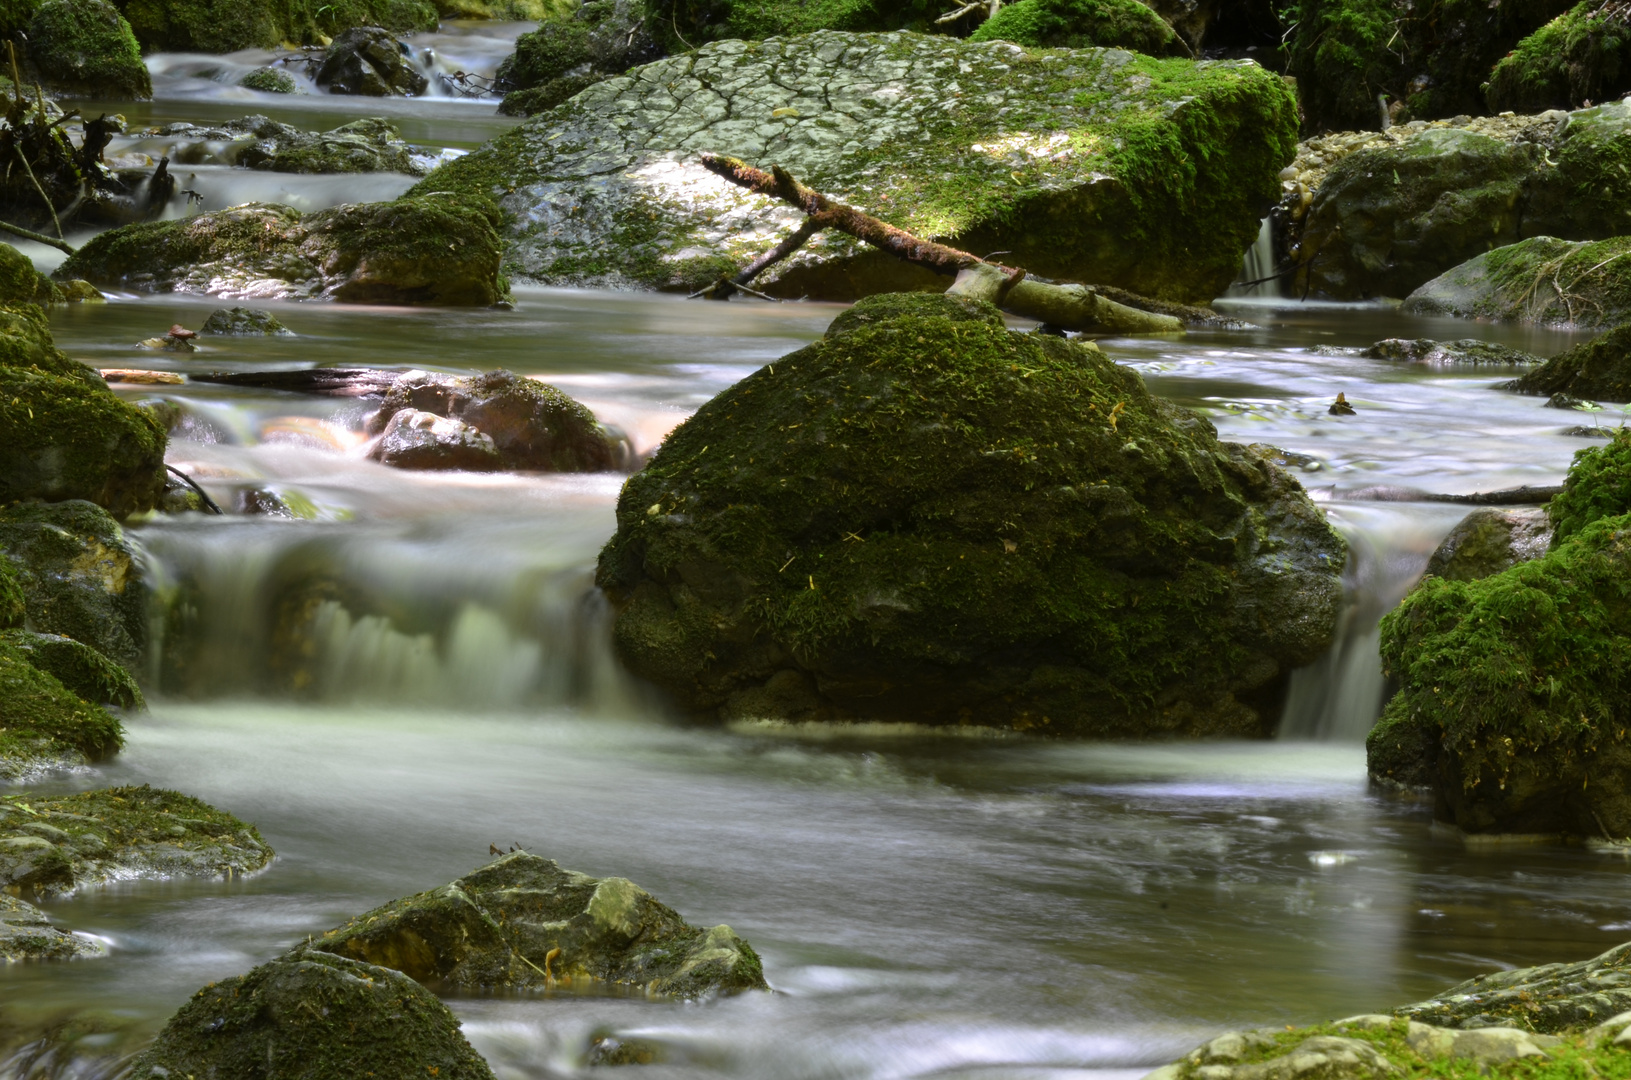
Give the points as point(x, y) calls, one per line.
point(244, 322)
point(26, 934)
point(1549, 998)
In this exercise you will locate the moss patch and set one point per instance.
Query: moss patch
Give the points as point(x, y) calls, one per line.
point(1541, 281)
point(218, 26)
point(1598, 486)
point(1078, 24)
point(79, 668)
point(42, 723)
point(86, 47)
point(1581, 56)
point(1596, 370)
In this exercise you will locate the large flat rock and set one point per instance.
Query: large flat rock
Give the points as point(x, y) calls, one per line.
point(1091, 164)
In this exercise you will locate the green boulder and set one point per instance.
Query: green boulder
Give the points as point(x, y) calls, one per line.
point(44, 726)
point(1583, 55)
point(1079, 24)
point(1545, 282)
point(600, 39)
point(85, 47)
point(1596, 370)
point(79, 668)
point(309, 1015)
point(269, 80)
point(523, 922)
point(927, 517)
point(1598, 486)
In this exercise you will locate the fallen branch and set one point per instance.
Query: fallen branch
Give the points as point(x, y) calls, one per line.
point(722, 289)
point(966, 9)
point(1069, 307)
point(38, 238)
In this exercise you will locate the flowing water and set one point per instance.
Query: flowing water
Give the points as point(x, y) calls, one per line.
point(926, 905)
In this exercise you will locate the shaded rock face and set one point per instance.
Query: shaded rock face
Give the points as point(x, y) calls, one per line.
point(26, 934)
point(1080, 24)
point(522, 921)
point(498, 420)
point(369, 61)
point(1513, 690)
point(1091, 164)
point(1548, 998)
point(1583, 285)
point(1463, 352)
point(244, 322)
point(77, 575)
point(1490, 540)
point(600, 39)
point(86, 47)
point(428, 250)
point(1414, 202)
point(222, 26)
point(1581, 56)
point(55, 846)
point(307, 1014)
point(1597, 370)
point(1026, 539)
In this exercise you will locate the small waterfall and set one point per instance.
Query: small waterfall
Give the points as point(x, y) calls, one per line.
point(422, 614)
point(1341, 695)
point(1258, 267)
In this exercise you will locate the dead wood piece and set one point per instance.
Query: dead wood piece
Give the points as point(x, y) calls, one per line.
point(982, 281)
point(1076, 307)
point(323, 382)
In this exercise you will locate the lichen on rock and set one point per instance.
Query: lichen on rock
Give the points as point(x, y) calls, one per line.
point(430, 249)
point(56, 845)
point(1090, 164)
point(927, 517)
point(522, 921)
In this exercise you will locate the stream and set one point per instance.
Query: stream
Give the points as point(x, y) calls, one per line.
point(926, 904)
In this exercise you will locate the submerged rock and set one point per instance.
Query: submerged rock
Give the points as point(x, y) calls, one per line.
point(1463, 352)
point(77, 575)
point(369, 61)
point(1380, 213)
point(1080, 24)
point(1542, 281)
point(311, 1014)
point(1549, 998)
point(1513, 699)
point(1091, 164)
point(86, 48)
point(54, 846)
point(522, 921)
point(497, 420)
point(26, 934)
point(1027, 538)
point(244, 322)
point(1490, 540)
point(1599, 370)
point(431, 249)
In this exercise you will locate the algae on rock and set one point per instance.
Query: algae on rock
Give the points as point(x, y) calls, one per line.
point(926, 517)
point(521, 921)
point(1091, 164)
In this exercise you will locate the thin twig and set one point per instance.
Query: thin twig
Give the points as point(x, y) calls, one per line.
point(722, 289)
point(209, 503)
point(966, 9)
point(38, 238)
point(49, 205)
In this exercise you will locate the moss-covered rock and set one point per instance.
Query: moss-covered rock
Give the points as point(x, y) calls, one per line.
point(507, 10)
point(430, 249)
point(1079, 24)
point(19, 282)
point(1490, 540)
point(682, 25)
point(526, 424)
point(78, 576)
point(1598, 486)
point(371, 144)
point(1583, 55)
point(1596, 370)
point(312, 1014)
point(269, 80)
point(79, 668)
point(1027, 538)
point(600, 38)
point(45, 726)
point(1463, 352)
point(1389, 216)
point(1551, 998)
point(26, 934)
point(86, 48)
point(12, 602)
point(370, 61)
point(1546, 282)
point(1429, 59)
point(63, 433)
point(55, 845)
point(522, 921)
point(244, 322)
point(1092, 164)
point(220, 26)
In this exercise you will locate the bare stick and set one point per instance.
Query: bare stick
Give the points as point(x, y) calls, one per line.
point(49, 205)
point(722, 289)
point(966, 9)
point(38, 238)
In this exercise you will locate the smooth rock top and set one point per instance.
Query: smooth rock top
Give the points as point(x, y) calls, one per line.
point(522, 921)
point(1093, 164)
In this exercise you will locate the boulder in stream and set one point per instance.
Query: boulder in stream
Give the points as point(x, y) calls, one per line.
point(56, 845)
point(370, 61)
point(1542, 281)
point(1490, 540)
point(1596, 370)
point(244, 322)
point(45, 727)
point(26, 934)
point(599, 39)
point(927, 517)
point(269, 80)
point(1096, 165)
point(522, 921)
point(497, 420)
point(1463, 352)
point(312, 1014)
point(370, 144)
point(429, 249)
point(86, 48)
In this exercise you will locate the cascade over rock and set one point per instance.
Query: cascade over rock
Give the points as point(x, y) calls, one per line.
point(1090, 164)
point(927, 517)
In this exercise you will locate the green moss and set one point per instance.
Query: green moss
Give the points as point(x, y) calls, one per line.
point(86, 47)
point(18, 278)
point(926, 499)
point(311, 1014)
point(15, 15)
point(434, 249)
point(682, 25)
point(1548, 282)
point(1582, 55)
point(79, 668)
point(269, 80)
point(112, 257)
point(11, 595)
point(547, 53)
point(509, 10)
point(533, 101)
point(41, 721)
point(218, 26)
point(1078, 24)
point(1598, 486)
